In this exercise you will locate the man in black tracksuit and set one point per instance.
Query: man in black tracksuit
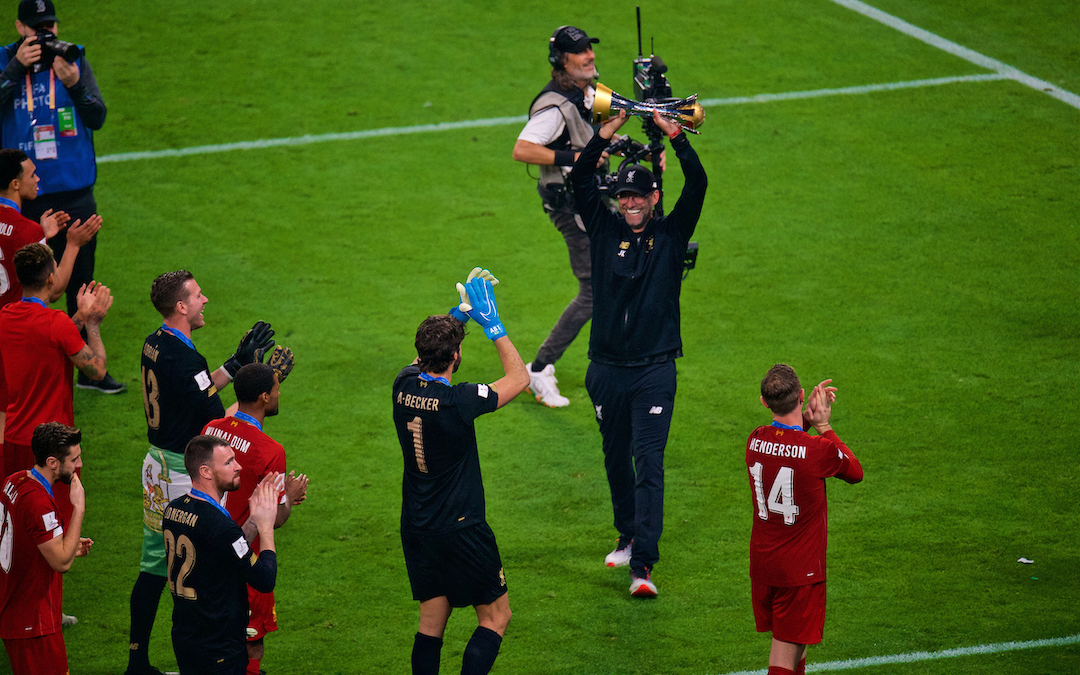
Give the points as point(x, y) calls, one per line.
point(635, 337)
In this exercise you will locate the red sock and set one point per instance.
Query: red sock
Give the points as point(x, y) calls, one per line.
point(253, 666)
point(801, 669)
point(780, 670)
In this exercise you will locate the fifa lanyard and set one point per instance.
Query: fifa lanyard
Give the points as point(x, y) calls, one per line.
point(30, 93)
point(248, 418)
point(36, 300)
point(7, 202)
point(428, 378)
point(179, 336)
point(205, 497)
point(780, 425)
point(41, 479)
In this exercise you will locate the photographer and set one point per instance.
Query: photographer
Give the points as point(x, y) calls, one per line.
point(558, 128)
point(55, 126)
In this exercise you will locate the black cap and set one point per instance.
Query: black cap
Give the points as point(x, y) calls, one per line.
point(635, 178)
point(572, 40)
point(36, 12)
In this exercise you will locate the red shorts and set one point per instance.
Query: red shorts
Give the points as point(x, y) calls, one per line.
point(262, 618)
point(43, 655)
point(794, 614)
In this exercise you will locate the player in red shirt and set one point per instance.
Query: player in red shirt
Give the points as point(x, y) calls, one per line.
point(257, 391)
point(35, 550)
point(788, 468)
point(41, 346)
point(19, 183)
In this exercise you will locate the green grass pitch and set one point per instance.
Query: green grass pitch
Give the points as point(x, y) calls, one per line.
point(918, 246)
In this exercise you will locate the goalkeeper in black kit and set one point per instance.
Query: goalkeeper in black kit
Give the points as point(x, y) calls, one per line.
point(450, 552)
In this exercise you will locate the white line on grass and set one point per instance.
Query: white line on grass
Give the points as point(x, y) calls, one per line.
point(962, 52)
point(861, 89)
point(913, 657)
point(521, 119)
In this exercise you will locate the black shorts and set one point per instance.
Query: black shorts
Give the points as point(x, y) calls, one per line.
point(464, 565)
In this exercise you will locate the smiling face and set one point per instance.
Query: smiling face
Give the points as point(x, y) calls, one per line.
point(637, 209)
point(191, 307)
point(582, 65)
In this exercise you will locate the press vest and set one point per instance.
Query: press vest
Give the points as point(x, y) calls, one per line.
point(75, 167)
point(578, 129)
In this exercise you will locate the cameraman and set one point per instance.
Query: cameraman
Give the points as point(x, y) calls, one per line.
point(559, 127)
point(55, 128)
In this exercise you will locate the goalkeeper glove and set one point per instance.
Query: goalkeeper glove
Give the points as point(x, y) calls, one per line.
point(282, 361)
point(459, 311)
point(482, 307)
point(259, 339)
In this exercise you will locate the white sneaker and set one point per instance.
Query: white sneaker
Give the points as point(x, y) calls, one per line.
point(544, 388)
point(620, 557)
point(642, 588)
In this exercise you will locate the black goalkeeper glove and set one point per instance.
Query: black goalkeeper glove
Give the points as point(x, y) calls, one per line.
point(255, 342)
point(282, 361)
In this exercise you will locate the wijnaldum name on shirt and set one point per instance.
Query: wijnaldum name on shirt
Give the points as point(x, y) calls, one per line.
point(778, 449)
point(418, 402)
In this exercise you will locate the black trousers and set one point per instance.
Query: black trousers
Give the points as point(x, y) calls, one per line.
point(633, 408)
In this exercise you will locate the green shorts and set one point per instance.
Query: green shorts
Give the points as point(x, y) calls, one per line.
point(164, 478)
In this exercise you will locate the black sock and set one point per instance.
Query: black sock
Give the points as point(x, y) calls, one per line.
point(145, 597)
point(425, 654)
point(538, 365)
point(481, 651)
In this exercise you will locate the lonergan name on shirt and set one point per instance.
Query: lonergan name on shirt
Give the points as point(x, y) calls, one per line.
point(182, 517)
point(778, 449)
point(150, 352)
point(418, 402)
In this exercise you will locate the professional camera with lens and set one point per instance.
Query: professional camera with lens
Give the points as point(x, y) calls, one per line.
point(52, 46)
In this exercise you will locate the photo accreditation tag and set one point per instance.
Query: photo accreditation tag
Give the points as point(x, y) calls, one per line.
point(66, 118)
point(44, 142)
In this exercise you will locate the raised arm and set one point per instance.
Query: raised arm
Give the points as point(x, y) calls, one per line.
point(257, 341)
point(516, 378)
point(78, 235)
point(60, 552)
point(587, 199)
point(483, 309)
point(687, 209)
point(94, 301)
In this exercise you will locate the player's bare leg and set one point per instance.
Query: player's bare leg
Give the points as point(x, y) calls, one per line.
point(484, 644)
point(427, 645)
point(255, 650)
point(786, 655)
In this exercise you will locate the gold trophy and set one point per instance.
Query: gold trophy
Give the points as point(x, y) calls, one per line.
point(686, 112)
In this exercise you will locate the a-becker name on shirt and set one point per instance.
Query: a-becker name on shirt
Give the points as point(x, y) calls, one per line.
point(778, 449)
point(418, 402)
point(238, 444)
point(150, 352)
point(182, 517)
